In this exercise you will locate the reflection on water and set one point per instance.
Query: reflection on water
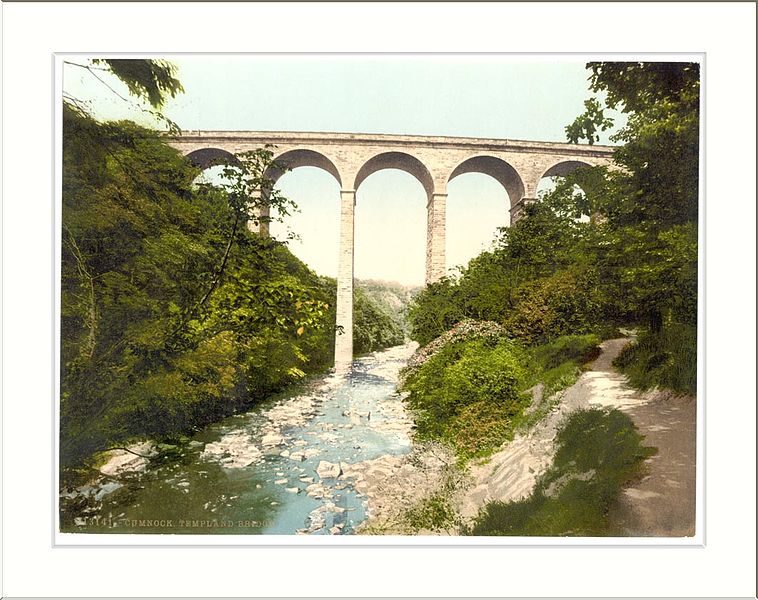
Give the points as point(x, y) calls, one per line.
point(273, 470)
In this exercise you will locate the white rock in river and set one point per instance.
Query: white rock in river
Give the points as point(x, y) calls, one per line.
point(327, 469)
point(315, 490)
point(302, 455)
point(234, 450)
point(120, 461)
point(107, 489)
point(272, 439)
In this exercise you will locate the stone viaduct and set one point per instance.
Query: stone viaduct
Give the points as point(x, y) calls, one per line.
point(433, 161)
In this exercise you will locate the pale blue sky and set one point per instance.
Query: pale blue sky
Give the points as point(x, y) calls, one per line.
point(496, 96)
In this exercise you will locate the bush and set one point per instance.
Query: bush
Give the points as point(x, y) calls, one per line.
point(467, 387)
point(667, 359)
point(434, 310)
point(482, 427)
point(468, 393)
point(576, 348)
point(566, 303)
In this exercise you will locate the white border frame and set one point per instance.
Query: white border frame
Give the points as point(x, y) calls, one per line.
point(725, 566)
point(269, 540)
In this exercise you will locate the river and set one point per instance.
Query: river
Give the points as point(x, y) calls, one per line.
point(273, 470)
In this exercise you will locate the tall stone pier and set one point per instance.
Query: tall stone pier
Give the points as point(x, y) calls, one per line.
point(351, 157)
point(343, 343)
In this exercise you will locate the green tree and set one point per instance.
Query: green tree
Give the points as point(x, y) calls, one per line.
point(634, 262)
point(659, 158)
point(173, 313)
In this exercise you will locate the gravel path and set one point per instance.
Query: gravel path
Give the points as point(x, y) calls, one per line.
point(663, 502)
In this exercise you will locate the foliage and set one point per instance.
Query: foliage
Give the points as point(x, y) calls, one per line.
point(433, 513)
point(375, 326)
point(539, 281)
point(557, 365)
point(588, 124)
point(468, 394)
point(434, 310)
point(562, 304)
point(467, 329)
point(668, 359)
point(172, 312)
point(598, 452)
point(634, 262)
point(568, 348)
point(152, 80)
point(470, 387)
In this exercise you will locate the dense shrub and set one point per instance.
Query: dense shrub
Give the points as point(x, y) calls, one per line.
point(467, 329)
point(434, 310)
point(667, 359)
point(174, 314)
point(575, 348)
point(557, 364)
point(469, 386)
point(468, 394)
point(562, 304)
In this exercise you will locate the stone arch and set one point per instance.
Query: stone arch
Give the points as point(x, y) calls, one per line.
point(563, 168)
point(396, 160)
point(209, 157)
point(301, 157)
point(496, 168)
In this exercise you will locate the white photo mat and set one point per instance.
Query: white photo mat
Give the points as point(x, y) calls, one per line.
point(724, 565)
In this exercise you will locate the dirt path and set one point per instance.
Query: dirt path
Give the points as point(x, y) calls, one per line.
point(663, 502)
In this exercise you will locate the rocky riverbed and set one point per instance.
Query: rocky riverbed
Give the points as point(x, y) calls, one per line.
point(296, 464)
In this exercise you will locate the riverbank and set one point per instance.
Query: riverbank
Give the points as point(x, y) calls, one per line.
point(277, 469)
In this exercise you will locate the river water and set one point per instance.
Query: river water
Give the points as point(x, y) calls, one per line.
point(272, 470)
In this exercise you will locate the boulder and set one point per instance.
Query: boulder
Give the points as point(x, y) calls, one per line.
point(272, 439)
point(327, 469)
